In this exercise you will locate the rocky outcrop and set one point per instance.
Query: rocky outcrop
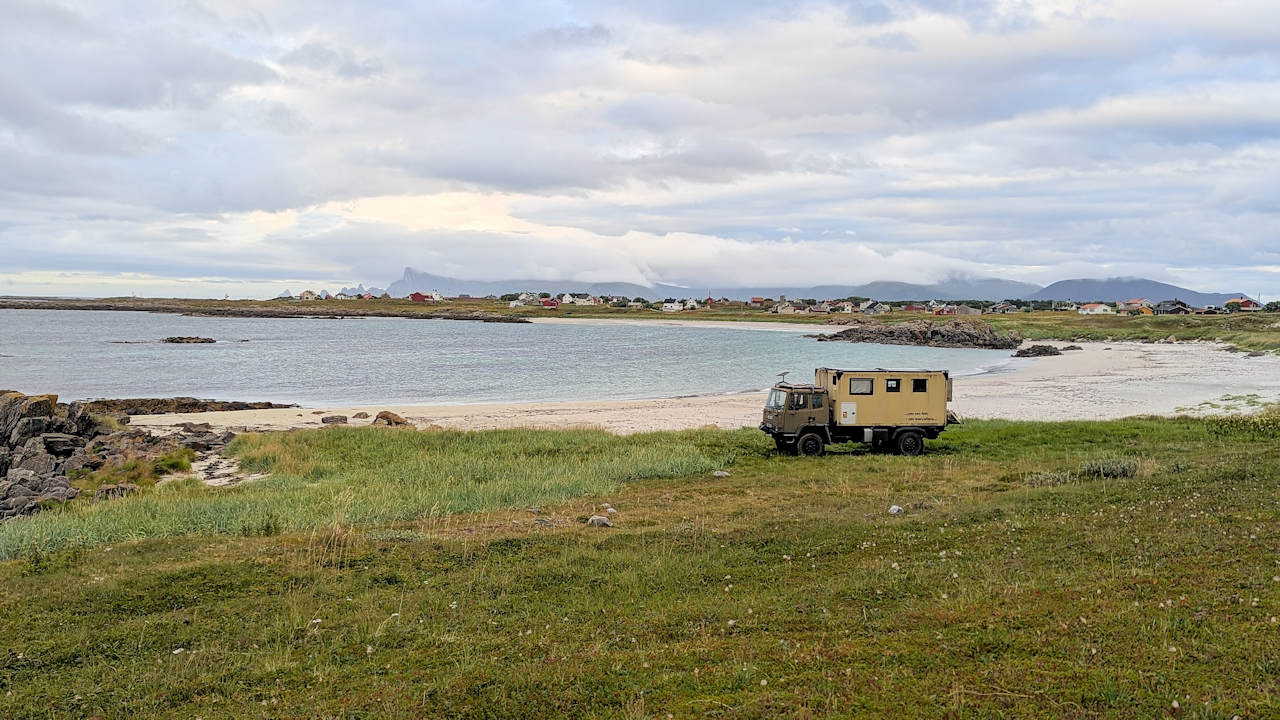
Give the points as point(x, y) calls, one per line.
point(43, 443)
point(160, 406)
point(1033, 351)
point(951, 333)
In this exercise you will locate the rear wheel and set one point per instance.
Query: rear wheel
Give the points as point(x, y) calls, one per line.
point(910, 443)
point(810, 444)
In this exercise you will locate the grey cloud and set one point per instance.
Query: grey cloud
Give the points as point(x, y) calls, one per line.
point(321, 57)
point(572, 36)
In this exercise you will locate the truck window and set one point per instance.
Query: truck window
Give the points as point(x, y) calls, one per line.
point(920, 385)
point(817, 402)
point(892, 385)
point(799, 402)
point(777, 399)
point(860, 386)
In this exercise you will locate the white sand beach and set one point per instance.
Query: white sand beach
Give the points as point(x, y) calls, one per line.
point(1101, 381)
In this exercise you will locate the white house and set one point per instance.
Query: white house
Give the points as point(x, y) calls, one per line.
point(672, 306)
point(516, 303)
point(307, 295)
point(578, 299)
point(783, 308)
point(690, 304)
point(1096, 309)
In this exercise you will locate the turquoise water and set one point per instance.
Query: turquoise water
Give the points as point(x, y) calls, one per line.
point(358, 361)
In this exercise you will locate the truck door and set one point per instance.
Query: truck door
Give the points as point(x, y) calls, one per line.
point(818, 409)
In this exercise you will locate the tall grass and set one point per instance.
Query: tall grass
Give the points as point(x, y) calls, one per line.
point(352, 476)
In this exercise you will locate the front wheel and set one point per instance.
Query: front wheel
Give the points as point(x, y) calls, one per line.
point(810, 444)
point(910, 443)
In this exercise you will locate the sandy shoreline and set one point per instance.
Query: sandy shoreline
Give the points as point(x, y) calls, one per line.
point(1102, 381)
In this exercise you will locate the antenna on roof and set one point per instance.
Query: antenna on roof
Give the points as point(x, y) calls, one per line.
point(782, 376)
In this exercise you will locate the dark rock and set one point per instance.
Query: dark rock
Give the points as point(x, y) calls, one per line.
point(951, 333)
point(361, 415)
point(334, 420)
point(179, 340)
point(157, 406)
point(191, 427)
point(390, 419)
point(1038, 351)
point(5, 456)
point(61, 444)
point(23, 491)
point(79, 460)
point(111, 492)
point(1071, 347)
point(32, 427)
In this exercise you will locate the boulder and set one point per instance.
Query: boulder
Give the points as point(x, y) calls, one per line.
point(390, 419)
point(179, 340)
point(5, 456)
point(1038, 351)
point(190, 427)
point(22, 491)
point(61, 444)
point(599, 521)
point(361, 415)
point(334, 420)
point(896, 510)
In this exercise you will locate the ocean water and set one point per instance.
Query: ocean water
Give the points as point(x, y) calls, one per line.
point(358, 361)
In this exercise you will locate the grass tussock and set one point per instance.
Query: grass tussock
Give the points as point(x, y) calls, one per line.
point(365, 476)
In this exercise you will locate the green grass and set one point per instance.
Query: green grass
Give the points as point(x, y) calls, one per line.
point(345, 476)
point(784, 590)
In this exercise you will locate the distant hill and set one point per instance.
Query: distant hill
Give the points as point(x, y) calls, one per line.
point(954, 289)
point(1117, 289)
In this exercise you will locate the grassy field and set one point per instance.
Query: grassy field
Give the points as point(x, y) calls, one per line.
point(1050, 570)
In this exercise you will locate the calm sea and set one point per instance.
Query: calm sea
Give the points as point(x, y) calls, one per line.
point(82, 355)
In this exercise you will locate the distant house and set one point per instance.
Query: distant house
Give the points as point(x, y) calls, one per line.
point(871, 307)
point(783, 308)
point(1172, 307)
point(966, 310)
point(578, 299)
point(945, 310)
point(419, 297)
point(845, 307)
point(1135, 304)
point(1246, 304)
point(516, 304)
point(1003, 308)
point(673, 306)
point(344, 296)
point(1096, 309)
point(1207, 310)
point(308, 295)
point(1065, 307)
point(634, 304)
point(690, 304)
point(756, 302)
point(820, 308)
point(915, 307)
point(551, 303)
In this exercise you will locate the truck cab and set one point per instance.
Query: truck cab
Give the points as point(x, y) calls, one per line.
point(887, 409)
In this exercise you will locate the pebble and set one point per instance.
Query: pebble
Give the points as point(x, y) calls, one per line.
point(720, 473)
point(896, 510)
point(599, 521)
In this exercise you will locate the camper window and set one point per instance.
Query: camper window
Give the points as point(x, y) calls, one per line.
point(892, 385)
point(860, 386)
point(920, 385)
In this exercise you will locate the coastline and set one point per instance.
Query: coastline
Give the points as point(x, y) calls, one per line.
point(1103, 381)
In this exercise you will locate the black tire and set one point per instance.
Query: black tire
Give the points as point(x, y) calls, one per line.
point(910, 443)
point(811, 445)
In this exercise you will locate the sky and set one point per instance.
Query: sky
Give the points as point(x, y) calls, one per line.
point(203, 149)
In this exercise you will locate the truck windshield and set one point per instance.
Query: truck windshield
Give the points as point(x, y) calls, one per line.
point(777, 398)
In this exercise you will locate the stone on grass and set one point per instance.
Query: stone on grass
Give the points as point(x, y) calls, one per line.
point(896, 510)
point(599, 521)
point(720, 473)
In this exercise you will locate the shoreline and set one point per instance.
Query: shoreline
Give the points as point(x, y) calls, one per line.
point(1103, 381)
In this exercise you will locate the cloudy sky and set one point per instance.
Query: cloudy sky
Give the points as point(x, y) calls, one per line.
point(223, 147)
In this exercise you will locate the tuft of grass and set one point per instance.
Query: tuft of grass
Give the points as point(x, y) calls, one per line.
point(1110, 467)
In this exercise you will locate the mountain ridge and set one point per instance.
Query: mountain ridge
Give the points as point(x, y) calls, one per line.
point(957, 288)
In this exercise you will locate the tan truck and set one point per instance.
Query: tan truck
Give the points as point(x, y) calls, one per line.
point(887, 409)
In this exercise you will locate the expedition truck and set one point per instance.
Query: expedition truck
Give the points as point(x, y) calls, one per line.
point(887, 409)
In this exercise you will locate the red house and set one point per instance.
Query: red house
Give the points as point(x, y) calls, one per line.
point(418, 297)
point(550, 303)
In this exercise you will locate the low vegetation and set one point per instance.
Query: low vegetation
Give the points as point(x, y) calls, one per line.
point(1141, 573)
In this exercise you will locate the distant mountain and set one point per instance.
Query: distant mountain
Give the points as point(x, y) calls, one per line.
point(954, 289)
point(1117, 289)
point(361, 289)
point(284, 295)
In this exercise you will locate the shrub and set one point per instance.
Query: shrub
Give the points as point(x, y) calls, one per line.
point(1049, 478)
